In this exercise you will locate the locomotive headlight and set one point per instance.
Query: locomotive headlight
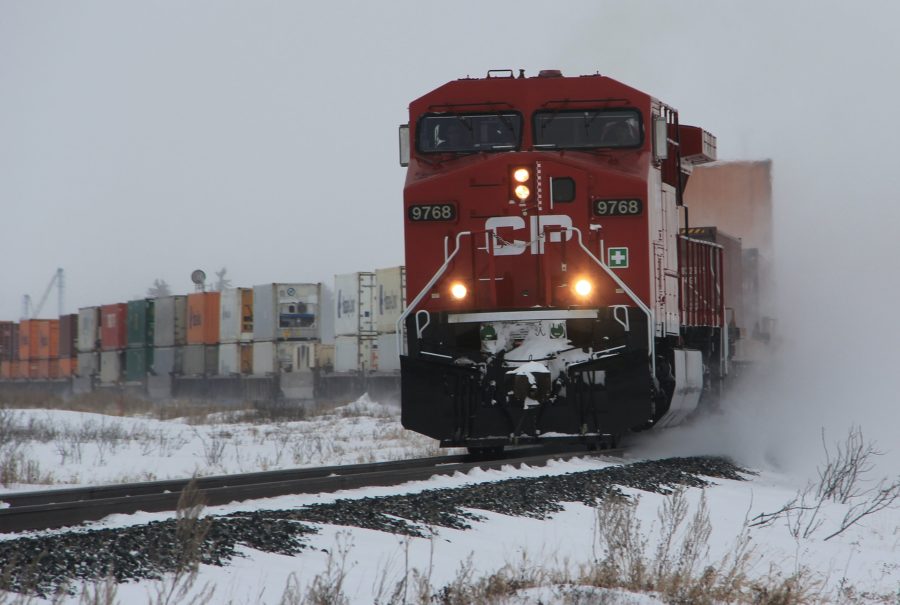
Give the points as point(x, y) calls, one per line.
point(583, 287)
point(458, 290)
point(522, 192)
point(521, 175)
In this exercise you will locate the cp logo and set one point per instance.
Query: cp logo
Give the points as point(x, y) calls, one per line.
point(505, 243)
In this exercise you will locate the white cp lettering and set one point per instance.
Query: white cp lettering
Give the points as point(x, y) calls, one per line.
point(505, 243)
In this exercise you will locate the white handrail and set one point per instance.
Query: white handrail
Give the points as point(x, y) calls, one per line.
point(651, 340)
point(425, 291)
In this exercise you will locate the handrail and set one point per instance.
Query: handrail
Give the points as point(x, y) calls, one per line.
point(651, 339)
point(425, 290)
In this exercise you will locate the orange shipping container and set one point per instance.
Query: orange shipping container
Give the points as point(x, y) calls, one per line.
point(39, 368)
point(45, 338)
point(203, 318)
point(25, 340)
point(68, 366)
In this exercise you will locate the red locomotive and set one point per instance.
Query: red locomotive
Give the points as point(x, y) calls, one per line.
point(556, 292)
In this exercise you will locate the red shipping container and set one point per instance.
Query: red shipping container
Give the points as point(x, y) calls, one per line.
point(203, 318)
point(113, 327)
point(39, 369)
point(5, 369)
point(6, 336)
point(25, 340)
point(53, 371)
point(18, 369)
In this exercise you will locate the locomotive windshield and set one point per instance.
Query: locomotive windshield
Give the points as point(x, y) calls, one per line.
point(468, 133)
point(588, 129)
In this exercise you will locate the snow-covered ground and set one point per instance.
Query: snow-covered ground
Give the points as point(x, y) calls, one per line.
point(370, 565)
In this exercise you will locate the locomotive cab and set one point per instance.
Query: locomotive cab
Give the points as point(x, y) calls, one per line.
point(554, 298)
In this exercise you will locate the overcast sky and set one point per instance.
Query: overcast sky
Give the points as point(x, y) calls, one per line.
point(141, 140)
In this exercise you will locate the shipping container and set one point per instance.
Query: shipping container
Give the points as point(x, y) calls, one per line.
point(286, 312)
point(170, 321)
point(14, 343)
point(200, 360)
point(68, 367)
point(68, 335)
point(88, 364)
point(5, 369)
point(88, 329)
point(167, 361)
point(203, 318)
point(25, 338)
point(354, 295)
point(325, 357)
point(111, 363)
point(390, 297)
point(39, 369)
point(48, 339)
point(113, 327)
point(6, 338)
point(54, 368)
point(18, 369)
point(236, 315)
point(140, 323)
point(283, 357)
point(235, 358)
point(388, 353)
point(138, 362)
point(354, 354)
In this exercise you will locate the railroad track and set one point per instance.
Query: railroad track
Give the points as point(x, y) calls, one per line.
point(66, 507)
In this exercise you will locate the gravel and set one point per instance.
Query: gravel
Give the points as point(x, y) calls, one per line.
point(47, 564)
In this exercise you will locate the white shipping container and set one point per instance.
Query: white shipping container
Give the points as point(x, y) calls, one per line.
point(354, 354)
point(235, 358)
point(88, 364)
point(283, 357)
point(354, 295)
point(170, 321)
point(390, 297)
point(88, 329)
point(111, 366)
point(264, 358)
point(235, 317)
point(388, 355)
point(286, 312)
point(167, 360)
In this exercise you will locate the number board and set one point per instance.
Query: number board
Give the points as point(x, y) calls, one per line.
point(617, 207)
point(432, 212)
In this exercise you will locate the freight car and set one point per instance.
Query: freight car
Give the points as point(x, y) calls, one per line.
point(558, 291)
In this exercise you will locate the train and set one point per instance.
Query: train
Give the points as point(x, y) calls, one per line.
point(560, 289)
point(288, 341)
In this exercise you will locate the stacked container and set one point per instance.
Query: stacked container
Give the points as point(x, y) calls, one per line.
point(354, 323)
point(88, 341)
point(169, 335)
point(236, 331)
point(68, 338)
point(139, 355)
point(283, 313)
point(113, 342)
point(390, 288)
point(7, 335)
point(201, 355)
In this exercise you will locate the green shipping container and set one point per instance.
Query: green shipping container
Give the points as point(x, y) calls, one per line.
point(137, 363)
point(140, 323)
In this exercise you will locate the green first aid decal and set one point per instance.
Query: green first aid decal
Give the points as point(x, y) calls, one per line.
point(617, 258)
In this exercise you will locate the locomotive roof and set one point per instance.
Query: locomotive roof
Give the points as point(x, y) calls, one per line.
point(539, 91)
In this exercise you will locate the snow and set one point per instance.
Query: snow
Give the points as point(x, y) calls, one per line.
point(866, 556)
